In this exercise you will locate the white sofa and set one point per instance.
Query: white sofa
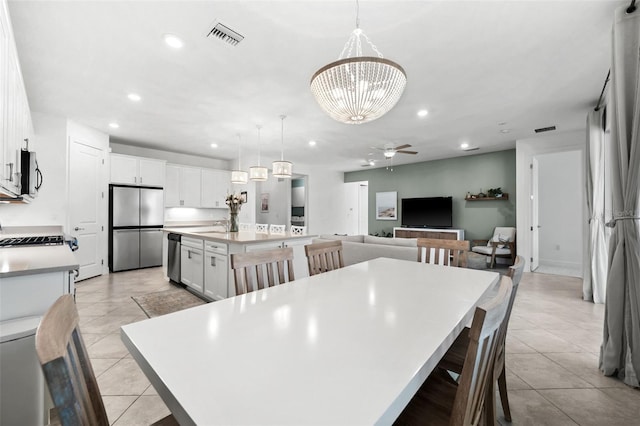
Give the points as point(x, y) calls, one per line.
point(360, 248)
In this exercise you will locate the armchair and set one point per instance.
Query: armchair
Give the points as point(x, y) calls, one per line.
point(501, 244)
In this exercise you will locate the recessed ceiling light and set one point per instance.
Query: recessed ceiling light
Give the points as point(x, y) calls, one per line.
point(312, 143)
point(134, 97)
point(504, 123)
point(505, 130)
point(423, 113)
point(114, 125)
point(214, 145)
point(464, 145)
point(173, 41)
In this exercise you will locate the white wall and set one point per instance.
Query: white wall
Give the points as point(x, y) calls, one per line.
point(560, 199)
point(526, 149)
point(50, 206)
point(279, 191)
point(326, 208)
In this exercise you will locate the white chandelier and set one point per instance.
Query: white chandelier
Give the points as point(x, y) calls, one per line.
point(358, 89)
point(282, 169)
point(239, 176)
point(258, 173)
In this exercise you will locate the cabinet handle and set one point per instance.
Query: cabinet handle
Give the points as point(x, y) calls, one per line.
point(10, 165)
point(78, 229)
point(140, 179)
point(135, 179)
point(188, 254)
point(213, 261)
point(182, 202)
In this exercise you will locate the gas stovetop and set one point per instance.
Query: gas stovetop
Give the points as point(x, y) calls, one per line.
point(51, 240)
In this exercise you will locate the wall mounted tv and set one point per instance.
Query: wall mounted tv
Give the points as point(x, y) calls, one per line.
point(432, 212)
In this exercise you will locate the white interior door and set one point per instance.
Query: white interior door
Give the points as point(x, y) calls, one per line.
point(86, 202)
point(535, 213)
point(363, 209)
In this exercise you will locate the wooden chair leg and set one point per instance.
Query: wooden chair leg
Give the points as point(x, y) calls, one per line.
point(490, 404)
point(504, 399)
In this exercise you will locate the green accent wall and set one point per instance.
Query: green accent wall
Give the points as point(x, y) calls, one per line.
point(449, 177)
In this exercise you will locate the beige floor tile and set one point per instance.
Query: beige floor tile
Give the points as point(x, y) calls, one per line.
point(585, 365)
point(144, 411)
point(513, 345)
point(111, 323)
point(529, 408)
point(540, 372)
point(124, 378)
point(544, 341)
point(150, 391)
point(116, 405)
point(626, 395)
point(109, 346)
point(514, 382)
point(100, 365)
point(588, 340)
point(593, 407)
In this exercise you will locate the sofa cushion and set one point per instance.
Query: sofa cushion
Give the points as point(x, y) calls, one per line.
point(352, 238)
point(356, 252)
point(403, 242)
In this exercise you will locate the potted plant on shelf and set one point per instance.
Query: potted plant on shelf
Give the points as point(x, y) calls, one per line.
point(495, 192)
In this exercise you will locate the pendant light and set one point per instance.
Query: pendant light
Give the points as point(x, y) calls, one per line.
point(258, 173)
point(282, 169)
point(357, 89)
point(239, 176)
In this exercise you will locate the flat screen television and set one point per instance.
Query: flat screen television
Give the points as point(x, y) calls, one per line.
point(431, 212)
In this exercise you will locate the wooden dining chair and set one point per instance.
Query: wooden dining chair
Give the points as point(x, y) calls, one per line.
point(323, 257)
point(454, 358)
point(441, 400)
point(443, 252)
point(67, 368)
point(255, 271)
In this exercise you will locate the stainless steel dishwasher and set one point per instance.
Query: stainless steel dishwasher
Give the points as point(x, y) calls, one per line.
point(173, 260)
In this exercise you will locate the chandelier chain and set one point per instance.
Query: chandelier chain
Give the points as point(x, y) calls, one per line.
point(239, 153)
point(258, 127)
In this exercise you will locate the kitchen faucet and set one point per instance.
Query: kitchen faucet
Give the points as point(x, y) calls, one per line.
point(222, 222)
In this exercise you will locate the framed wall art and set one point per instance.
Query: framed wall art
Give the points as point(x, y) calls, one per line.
point(387, 205)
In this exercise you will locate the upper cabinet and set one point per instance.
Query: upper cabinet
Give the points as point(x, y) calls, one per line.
point(183, 186)
point(15, 117)
point(129, 170)
point(215, 187)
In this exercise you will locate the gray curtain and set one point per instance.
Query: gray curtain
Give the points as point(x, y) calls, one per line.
point(620, 352)
point(595, 269)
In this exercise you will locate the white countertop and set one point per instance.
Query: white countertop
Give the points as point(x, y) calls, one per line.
point(350, 346)
point(15, 261)
point(215, 233)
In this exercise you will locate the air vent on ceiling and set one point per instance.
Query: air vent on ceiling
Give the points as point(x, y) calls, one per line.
point(225, 34)
point(545, 129)
point(474, 148)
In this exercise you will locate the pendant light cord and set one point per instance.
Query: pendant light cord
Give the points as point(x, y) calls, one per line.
point(239, 153)
point(282, 117)
point(258, 127)
point(358, 13)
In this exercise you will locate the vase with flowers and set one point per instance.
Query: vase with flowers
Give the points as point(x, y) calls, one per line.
point(234, 201)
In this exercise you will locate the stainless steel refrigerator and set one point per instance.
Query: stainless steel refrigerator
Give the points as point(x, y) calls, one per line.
point(136, 217)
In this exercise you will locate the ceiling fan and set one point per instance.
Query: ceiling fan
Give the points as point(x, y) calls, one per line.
point(389, 151)
point(369, 162)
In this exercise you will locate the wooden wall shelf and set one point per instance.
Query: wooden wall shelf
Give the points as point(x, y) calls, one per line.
point(505, 196)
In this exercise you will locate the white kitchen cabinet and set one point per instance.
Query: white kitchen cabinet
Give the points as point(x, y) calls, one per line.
point(130, 170)
point(215, 187)
point(216, 270)
point(183, 186)
point(191, 264)
point(15, 116)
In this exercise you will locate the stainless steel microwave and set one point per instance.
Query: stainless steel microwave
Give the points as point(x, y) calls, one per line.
point(30, 175)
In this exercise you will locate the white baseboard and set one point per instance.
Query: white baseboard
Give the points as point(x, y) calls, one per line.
point(560, 263)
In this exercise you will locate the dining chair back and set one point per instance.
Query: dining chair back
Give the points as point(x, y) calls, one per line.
point(255, 270)
point(262, 228)
point(443, 252)
point(298, 230)
point(463, 403)
point(323, 257)
point(277, 229)
point(68, 371)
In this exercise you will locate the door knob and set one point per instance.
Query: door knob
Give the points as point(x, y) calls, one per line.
point(78, 229)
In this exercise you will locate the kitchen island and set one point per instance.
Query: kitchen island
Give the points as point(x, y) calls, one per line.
point(205, 266)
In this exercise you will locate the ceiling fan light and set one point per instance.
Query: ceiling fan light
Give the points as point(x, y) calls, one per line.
point(389, 154)
point(282, 169)
point(258, 173)
point(239, 176)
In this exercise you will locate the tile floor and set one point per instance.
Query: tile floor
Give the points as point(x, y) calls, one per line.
point(552, 347)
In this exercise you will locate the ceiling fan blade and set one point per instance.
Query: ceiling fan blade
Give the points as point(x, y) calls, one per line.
point(377, 147)
point(402, 146)
point(407, 152)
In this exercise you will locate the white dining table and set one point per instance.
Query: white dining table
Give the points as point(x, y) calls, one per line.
point(347, 347)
